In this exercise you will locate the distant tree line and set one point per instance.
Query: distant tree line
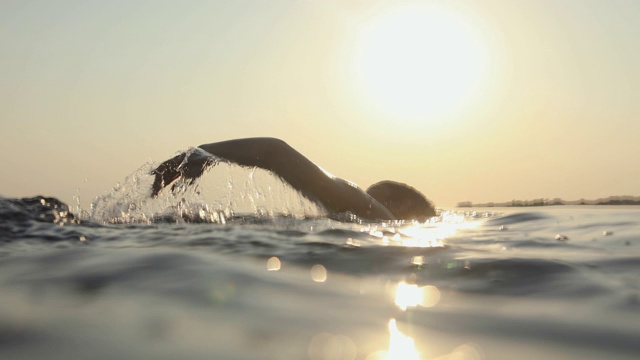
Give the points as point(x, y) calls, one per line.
point(611, 200)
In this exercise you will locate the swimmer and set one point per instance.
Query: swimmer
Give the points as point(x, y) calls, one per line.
point(385, 200)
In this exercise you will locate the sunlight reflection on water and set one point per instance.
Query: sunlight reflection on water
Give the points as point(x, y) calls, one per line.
point(414, 234)
point(410, 295)
point(432, 234)
point(401, 346)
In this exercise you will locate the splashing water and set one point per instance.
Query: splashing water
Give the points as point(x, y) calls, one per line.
point(225, 191)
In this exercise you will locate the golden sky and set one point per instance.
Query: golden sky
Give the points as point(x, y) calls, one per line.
point(465, 100)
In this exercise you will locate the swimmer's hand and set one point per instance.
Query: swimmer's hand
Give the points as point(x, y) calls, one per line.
point(189, 165)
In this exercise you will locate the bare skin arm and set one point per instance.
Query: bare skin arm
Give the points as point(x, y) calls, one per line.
point(334, 194)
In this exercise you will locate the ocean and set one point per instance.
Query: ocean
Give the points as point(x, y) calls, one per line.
point(259, 273)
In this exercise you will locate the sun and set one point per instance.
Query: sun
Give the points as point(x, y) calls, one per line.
point(418, 61)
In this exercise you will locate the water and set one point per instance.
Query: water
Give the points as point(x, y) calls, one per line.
point(185, 277)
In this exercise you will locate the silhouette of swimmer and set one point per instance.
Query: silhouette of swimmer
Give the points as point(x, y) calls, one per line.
point(385, 200)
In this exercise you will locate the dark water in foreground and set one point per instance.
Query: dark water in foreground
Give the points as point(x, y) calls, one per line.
point(465, 286)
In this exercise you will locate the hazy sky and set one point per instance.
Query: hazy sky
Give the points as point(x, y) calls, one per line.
point(464, 100)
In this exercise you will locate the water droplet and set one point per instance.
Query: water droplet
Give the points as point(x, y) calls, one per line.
point(273, 264)
point(318, 273)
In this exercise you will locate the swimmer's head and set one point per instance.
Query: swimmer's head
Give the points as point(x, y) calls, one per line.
point(403, 201)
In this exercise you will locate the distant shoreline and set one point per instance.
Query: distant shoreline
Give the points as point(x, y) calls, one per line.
point(611, 200)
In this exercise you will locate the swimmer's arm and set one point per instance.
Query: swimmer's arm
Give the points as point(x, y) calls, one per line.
point(276, 156)
point(272, 155)
point(266, 153)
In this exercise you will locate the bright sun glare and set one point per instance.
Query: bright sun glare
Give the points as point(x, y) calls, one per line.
point(418, 60)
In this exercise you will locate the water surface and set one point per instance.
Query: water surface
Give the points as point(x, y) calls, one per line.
point(194, 281)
